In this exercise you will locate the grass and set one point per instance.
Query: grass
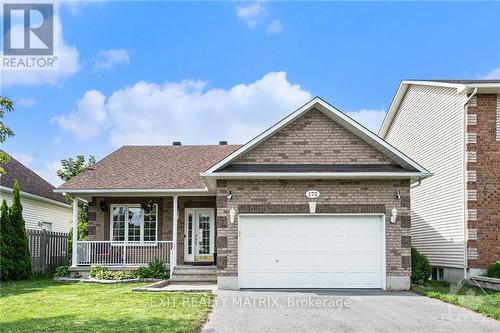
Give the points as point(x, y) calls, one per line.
point(486, 302)
point(42, 305)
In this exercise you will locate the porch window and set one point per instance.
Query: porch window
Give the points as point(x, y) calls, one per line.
point(131, 223)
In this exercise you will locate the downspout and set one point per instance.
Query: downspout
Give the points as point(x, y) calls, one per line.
point(464, 138)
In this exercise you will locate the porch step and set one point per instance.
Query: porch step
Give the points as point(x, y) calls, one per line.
point(194, 274)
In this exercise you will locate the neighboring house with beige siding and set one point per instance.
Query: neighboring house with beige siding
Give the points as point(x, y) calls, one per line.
point(42, 208)
point(451, 128)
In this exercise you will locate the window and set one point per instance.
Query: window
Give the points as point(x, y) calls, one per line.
point(132, 223)
point(47, 226)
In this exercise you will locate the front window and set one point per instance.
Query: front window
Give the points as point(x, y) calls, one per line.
point(133, 223)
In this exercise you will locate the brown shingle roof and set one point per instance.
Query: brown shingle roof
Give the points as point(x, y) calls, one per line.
point(151, 167)
point(29, 181)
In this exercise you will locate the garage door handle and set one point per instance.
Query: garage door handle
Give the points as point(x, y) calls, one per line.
point(277, 260)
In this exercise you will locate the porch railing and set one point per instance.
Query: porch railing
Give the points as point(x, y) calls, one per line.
point(109, 253)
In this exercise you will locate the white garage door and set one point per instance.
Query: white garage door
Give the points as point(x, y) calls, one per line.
point(319, 251)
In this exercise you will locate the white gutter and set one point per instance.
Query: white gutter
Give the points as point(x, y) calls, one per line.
point(464, 158)
point(35, 197)
point(132, 190)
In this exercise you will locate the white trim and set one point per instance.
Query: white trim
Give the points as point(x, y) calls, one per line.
point(403, 88)
point(126, 241)
point(316, 175)
point(383, 237)
point(335, 115)
point(35, 197)
point(134, 190)
point(175, 219)
point(74, 250)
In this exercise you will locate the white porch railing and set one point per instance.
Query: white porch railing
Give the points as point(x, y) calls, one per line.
point(109, 253)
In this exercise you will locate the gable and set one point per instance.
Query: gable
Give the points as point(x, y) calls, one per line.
point(313, 138)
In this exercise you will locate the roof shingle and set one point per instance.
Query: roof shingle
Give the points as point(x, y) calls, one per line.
point(151, 167)
point(29, 181)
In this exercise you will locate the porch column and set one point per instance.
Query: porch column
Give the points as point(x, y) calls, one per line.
point(75, 232)
point(174, 230)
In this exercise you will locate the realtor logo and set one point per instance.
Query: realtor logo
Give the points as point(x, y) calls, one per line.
point(28, 29)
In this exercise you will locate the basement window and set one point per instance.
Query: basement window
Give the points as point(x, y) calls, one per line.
point(437, 273)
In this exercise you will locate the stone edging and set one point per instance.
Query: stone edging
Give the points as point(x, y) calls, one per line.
point(486, 282)
point(66, 279)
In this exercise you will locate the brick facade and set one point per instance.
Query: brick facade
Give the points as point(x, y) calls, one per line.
point(337, 196)
point(314, 138)
point(483, 179)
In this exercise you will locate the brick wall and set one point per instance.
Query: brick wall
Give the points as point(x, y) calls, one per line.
point(339, 196)
point(314, 138)
point(483, 178)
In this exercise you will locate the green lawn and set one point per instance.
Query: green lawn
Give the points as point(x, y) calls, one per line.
point(44, 305)
point(486, 302)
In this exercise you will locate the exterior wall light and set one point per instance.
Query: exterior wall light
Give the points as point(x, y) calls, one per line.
point(394, 215)
point(232, 213)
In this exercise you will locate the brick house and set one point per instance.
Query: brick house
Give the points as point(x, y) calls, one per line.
point(315, 201)
point(452, 127)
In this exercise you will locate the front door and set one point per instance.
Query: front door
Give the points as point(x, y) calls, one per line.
point(199, 235)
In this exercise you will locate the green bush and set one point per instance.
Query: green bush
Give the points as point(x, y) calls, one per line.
point(421, 269)
point(62, 271)
point(123, 275)
point(15, 258)
point(100, 273)
point(155, 270)
point(494, 270)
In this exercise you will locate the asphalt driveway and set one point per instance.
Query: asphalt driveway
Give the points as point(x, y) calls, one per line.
point(340, 311)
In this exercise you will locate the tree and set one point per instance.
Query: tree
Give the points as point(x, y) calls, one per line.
point(5, 132)
point(70, 169)
point(5, 243)
point(19, 242)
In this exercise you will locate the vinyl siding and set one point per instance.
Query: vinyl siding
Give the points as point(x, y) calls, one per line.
point(429, 128)
point(35, 211)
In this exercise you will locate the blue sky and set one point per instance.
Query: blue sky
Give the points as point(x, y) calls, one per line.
point(199, 72)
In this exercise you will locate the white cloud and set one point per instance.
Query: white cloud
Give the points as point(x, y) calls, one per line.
point(49, 173)
point(148, 113)
point(370, 118)
point(88, 119)
point(112, 58)
point(24, 101)
point(67, 64)
point(24, 158)
point(274, 27)
point(252, 14)
point(493, 74)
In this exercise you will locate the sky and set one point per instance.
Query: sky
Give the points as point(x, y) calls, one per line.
point(200, 72)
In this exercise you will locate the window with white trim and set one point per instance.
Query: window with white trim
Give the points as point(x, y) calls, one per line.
point(134, 223)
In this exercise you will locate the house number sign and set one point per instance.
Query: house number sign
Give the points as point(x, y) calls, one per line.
point(312, 194)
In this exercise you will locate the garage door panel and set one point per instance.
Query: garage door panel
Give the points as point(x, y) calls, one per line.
point(310, 251)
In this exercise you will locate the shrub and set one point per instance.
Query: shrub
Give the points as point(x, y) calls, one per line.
point(62, 271)
point(6, 263)
point(494, 270)
point(155, 270)
point(123, 275)
point(15, 258)
point(421, 269)
point(101, 273)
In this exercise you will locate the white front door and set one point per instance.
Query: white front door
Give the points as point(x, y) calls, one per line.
point(311, 251)
point(199, 230)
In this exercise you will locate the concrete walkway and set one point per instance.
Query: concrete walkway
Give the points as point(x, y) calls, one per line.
point(340, 311)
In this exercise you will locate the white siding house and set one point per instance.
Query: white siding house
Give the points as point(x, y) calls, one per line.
point(42, 208)
point(428, 121)
point(428, 127)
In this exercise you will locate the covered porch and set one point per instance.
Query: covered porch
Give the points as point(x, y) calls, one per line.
point(128, 230)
